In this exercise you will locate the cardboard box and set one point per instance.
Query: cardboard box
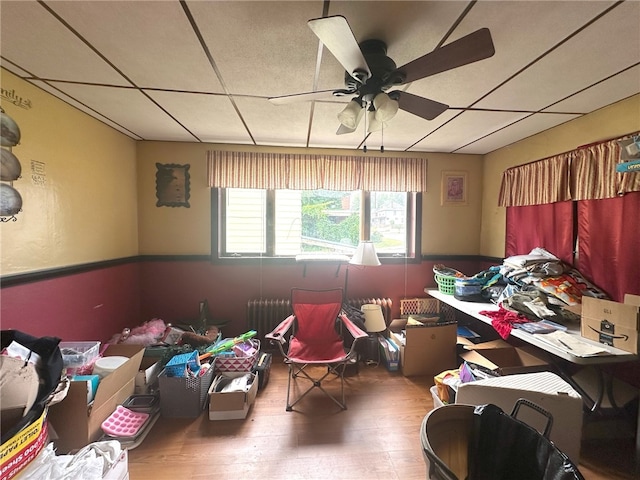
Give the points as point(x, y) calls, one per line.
point(503, 358)
point(75, 422)
point(21, 449)
point(231, 405)
point(546, 390)
point(427, 350)
point(612, 323)
point(147, 376)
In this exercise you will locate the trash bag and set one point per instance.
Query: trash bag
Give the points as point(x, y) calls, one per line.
point(463, 442)
point(502, 447)
point(49, 372)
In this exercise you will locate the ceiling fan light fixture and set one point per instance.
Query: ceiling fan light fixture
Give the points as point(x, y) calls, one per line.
point(351, 115)
point(386, 107)
point(374, 125)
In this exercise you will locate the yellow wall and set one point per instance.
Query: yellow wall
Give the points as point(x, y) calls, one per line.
point(613, 121)
point(187, 231)
point(98, 198)
point(86, 208)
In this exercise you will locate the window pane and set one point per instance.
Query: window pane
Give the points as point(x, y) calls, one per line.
point(316, 221)
point(288, 222)
point(245, 221)
point(389, 222)
point(291, 222)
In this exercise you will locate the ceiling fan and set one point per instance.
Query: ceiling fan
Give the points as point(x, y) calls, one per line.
point(369, 73)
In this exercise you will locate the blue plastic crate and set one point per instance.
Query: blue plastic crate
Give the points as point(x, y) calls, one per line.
point(179, 364)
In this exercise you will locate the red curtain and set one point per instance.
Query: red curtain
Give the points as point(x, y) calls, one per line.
point(609, 243)
point(549, 226)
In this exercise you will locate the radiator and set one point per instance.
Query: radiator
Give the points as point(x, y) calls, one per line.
point(263, 315)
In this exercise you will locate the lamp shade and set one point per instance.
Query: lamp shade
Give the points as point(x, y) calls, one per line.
point(373, 318)
point(374, 124)
point(351, 115)
point(365, 255)
point(386, 107)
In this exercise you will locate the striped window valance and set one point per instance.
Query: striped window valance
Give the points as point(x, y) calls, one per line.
point(230, 169)
point(587, 173)
point(536, 183)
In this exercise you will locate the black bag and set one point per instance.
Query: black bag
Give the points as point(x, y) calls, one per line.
point(49, 372)
point(503, 447)
point(262, 368)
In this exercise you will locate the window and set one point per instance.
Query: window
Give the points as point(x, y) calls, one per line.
point(285, 223)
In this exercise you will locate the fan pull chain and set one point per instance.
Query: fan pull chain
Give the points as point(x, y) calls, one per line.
point(382, 139)
point(366, 115)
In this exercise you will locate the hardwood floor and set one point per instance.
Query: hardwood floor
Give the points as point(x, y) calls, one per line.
point(378, 437)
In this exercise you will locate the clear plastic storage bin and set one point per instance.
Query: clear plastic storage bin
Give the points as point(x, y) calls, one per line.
point(76, 355)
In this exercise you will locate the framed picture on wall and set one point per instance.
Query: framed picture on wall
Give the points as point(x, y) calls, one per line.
point(172, 185)
point(454, 188)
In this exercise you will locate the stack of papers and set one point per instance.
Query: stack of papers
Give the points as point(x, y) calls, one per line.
point(571, 343)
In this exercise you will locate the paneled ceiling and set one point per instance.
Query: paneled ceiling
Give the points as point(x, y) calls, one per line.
point(203, 71)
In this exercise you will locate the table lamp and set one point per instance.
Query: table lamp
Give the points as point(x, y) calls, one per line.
point(373, 318)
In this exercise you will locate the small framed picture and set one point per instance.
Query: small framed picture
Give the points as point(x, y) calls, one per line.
point(172, 185)
point(454, 188)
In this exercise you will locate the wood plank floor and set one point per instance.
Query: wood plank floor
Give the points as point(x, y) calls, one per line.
point(378, 437)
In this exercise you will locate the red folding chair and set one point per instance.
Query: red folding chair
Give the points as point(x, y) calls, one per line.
point(317, 328)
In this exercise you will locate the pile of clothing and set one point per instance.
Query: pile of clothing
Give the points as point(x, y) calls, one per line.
point(549, 275)
point(538, 287)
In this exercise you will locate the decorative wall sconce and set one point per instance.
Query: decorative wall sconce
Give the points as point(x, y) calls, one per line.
point(10, 169)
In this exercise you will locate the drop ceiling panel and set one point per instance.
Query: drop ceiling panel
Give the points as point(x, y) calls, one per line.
point(38, 43)
point(131, 108)
point(152, 43)
point(260, 48)
point(517, 131)
point(467, 127)
point(604, 93)
point(74, 103)
point(273, 125)
point(512, 30)
point(208, 117)
point(613, 40)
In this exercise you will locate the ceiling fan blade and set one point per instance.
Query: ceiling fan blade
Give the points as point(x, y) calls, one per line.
point(471, 48)
point(420, 106)
point(336, 34)
point(302, 97)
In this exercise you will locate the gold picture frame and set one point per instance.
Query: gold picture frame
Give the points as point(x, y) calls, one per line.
point(454, 188)
point(172, 185)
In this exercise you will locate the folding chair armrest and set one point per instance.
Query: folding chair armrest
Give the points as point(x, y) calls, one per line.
point(353, 329)
point(277, 334)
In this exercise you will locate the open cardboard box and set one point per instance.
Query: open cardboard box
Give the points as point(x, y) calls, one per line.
point(427, 350)
point(612, 323)
point(147, 376)
point(503, 358)
point(231, 405)
point(77, 423)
